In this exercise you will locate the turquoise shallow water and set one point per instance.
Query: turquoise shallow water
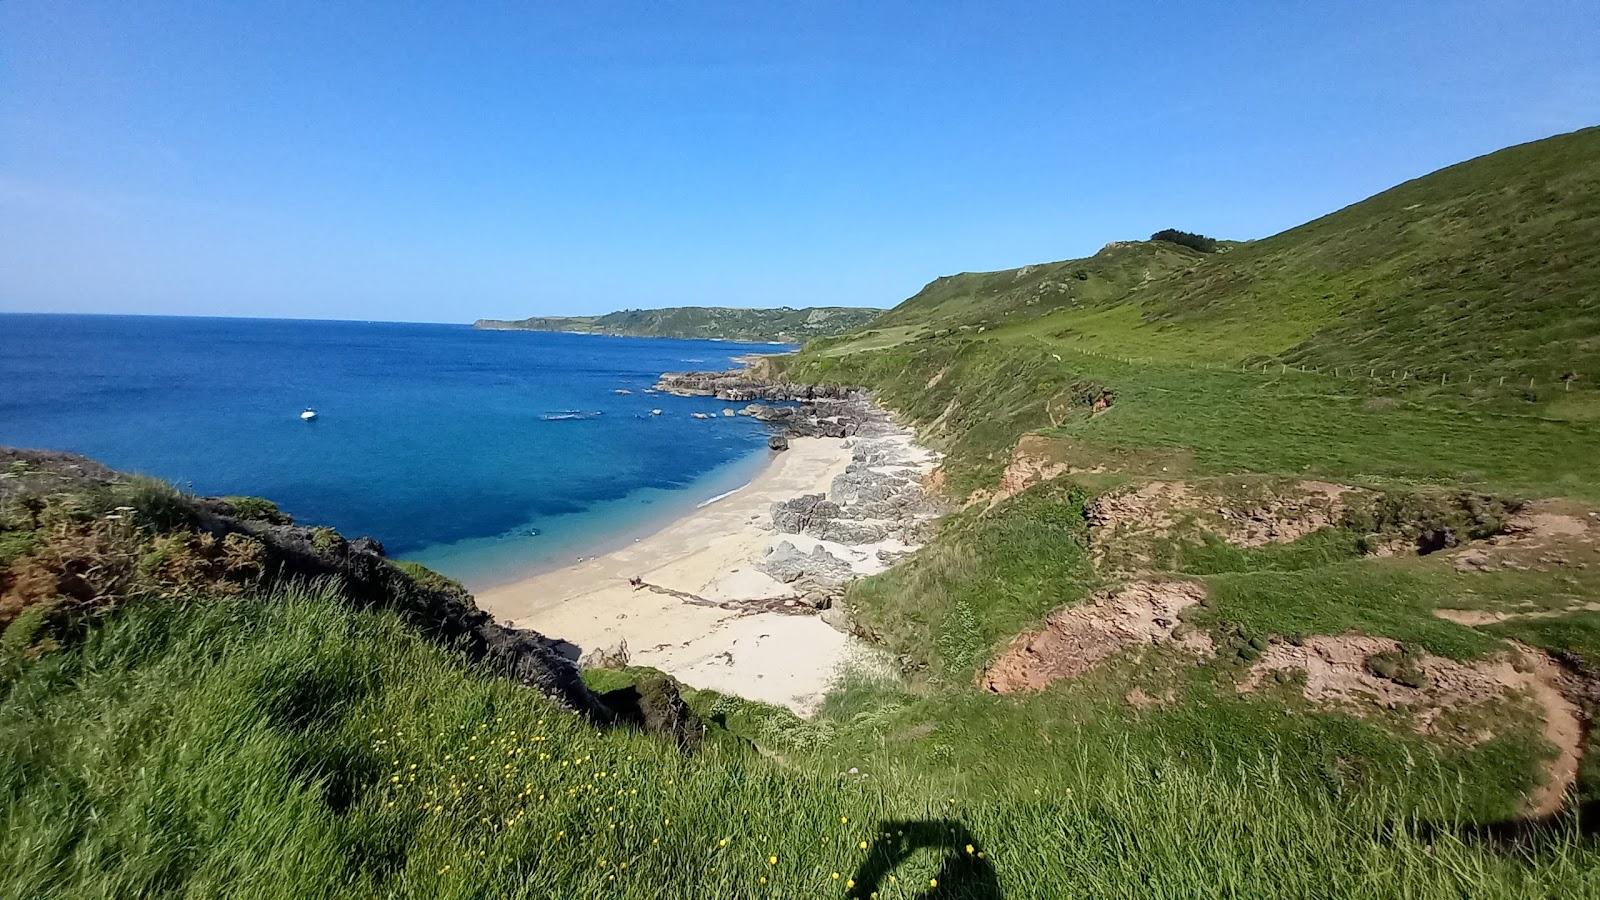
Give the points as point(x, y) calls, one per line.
point(486, 454)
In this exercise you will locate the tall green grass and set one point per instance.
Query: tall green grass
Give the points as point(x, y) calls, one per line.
point(291, 747)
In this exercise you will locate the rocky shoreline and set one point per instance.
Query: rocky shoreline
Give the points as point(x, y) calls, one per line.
point(745, 593)
point(871, 515)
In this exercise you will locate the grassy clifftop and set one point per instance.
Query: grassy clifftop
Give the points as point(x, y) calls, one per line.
point(1486, 269)
point(713, 322)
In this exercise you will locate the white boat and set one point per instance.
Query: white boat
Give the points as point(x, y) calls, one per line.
point(309, 414)
point(655, 412)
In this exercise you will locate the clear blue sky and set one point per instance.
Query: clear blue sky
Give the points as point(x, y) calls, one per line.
point(439, 162)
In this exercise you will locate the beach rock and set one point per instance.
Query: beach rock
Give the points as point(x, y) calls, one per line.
point(766, 413)
point(837, 617)
point(739, 384)
point(612, 656)
point(788, 564)
point(799, 514)
point(777, 442)
point(851, 531)
point(654, 705)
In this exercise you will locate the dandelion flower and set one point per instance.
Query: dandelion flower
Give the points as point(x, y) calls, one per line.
point(862, 845)
point(970, 850)
point(849, 883)
point(772, 860)
point(722, 843)
point(933, 882)
point(844, 820)
point(836, 876)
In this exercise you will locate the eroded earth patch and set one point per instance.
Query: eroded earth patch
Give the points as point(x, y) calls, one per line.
point(1128, 522)
point(1364, 675)
point(1078, 638)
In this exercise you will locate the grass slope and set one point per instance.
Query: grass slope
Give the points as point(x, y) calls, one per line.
point(979, 361)
point(1483, 269)
point(297, 748)
point(716, 322)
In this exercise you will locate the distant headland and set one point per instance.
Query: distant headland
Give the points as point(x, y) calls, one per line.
point(784, 324)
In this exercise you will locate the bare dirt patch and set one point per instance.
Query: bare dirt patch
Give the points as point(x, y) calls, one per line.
point(1541, 536)
point(1078, 638)
point(1032, 462)
point(1475, 617)
point(1128, 522)
point(1338, 672)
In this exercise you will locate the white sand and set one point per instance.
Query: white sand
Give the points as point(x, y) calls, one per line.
point(783, 659)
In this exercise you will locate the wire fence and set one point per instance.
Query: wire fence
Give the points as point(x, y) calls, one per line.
point(1571, 381)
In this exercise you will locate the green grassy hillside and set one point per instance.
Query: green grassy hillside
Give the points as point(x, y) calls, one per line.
point(1144, 372)
point(1486, 269)
point(175, 722)
point(711, 322)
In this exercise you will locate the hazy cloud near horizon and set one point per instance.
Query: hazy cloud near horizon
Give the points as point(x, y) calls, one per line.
point(290, 159)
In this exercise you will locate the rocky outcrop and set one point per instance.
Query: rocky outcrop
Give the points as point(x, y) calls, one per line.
point(740, 385)
point(283, 553)
point(878, 497)
point(445, 614)
point(653, 704)
point(789, 564)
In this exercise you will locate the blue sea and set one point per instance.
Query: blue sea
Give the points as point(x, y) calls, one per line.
point(484, 454)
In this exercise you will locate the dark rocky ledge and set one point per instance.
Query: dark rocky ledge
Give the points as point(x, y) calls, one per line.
point(436, 607)
point(741, 385)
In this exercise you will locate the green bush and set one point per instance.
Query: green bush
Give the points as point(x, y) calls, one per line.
point(256, 509)
point(1186, 239)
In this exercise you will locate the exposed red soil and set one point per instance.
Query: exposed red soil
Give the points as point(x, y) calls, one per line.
point(1078, 638)
point(1336, 674)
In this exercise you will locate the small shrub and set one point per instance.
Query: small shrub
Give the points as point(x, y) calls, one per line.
point(1186, 239)
point(326, 540)
point(430, 579)
point(1429, 521)
point(256, 509)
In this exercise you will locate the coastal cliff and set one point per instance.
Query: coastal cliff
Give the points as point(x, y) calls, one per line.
point(79, 540)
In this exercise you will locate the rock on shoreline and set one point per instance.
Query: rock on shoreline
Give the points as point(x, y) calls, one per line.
point(872, 514)
point(740, 385)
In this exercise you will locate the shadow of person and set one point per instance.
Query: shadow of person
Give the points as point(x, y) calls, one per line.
point(963, 872)
point(1535, 838)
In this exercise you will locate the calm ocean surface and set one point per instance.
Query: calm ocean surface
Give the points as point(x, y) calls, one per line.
point(485, 454)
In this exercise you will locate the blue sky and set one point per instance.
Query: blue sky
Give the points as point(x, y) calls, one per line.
point(440, 162)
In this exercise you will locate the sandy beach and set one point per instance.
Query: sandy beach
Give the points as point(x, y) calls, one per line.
point(788, 658)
